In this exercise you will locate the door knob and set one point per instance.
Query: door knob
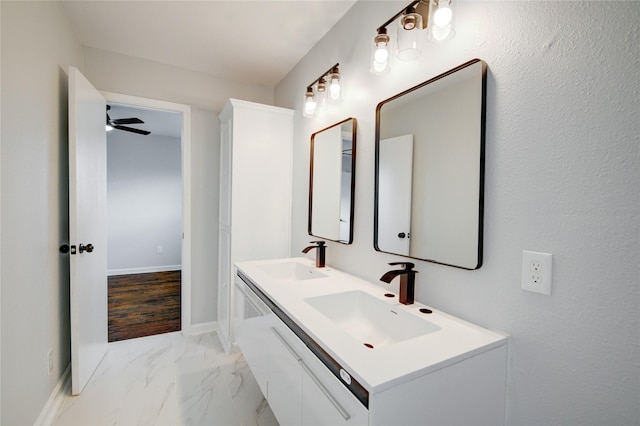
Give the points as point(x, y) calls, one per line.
point(88, 248)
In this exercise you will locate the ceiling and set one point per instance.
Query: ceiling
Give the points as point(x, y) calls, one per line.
point(253, 42)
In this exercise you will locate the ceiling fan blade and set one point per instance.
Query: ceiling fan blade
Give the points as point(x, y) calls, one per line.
point(119, 121)
point(131, 129)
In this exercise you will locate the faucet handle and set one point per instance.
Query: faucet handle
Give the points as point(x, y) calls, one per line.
point(408, 266)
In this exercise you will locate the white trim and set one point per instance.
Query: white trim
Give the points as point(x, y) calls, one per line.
point(186, 188)
point(203, 327)
point(146, 270)
point(51, 409)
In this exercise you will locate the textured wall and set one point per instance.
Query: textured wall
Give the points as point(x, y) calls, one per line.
point(37, 48)
point(562, 176)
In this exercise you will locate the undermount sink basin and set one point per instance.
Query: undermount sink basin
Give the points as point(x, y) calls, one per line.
point(291, 271)
point(369, 320)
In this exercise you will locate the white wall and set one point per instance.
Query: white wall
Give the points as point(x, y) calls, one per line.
point(562, 174)
point(117, 73)
point(144, 196)
point(37, 48)
point(38, 45)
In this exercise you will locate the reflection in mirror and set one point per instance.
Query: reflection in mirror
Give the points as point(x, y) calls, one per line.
point(430, 169)
point(332, 182)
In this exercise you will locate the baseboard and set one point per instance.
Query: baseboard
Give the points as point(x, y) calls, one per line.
point(51, 409)
point(149, 269)
point(204, 327)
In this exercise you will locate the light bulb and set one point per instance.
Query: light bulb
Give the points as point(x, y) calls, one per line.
point(334, 89)
point(335, 86)
point(441, 34)
point(108, 127)
point(379, 66)
point(379, 62)
point(310, 104)
point(382, 54)
point(442, 16)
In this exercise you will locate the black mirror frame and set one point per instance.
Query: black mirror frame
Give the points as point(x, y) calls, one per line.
point(482, 161)
point(353, 179)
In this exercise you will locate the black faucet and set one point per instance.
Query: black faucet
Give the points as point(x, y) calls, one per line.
point(321, 250)
point(407, 281)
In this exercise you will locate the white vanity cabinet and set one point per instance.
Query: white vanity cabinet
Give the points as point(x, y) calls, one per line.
point(264, 339)
point(255, 194)
point(315, 370)
point(299, 388)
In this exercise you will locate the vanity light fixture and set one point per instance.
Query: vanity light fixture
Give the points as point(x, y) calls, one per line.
point(409, 31)
point(328, 89)
point(442, 15)
point(310, 104)
point(380, 53)
point(437, 15)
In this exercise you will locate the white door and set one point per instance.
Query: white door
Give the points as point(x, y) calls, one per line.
point(395, 172)
point(87, 228)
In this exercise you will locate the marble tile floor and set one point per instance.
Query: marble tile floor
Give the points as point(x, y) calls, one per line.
point(169, 379)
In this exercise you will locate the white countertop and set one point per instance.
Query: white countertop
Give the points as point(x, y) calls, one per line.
point(380, 368)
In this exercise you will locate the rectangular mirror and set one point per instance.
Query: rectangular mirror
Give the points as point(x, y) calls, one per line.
point(429, 171)
point(332, 182)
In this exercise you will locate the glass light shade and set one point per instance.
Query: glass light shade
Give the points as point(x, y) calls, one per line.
point(321, 95)
point(379, 63)
point(409, 32)
point(441, 20)
point(334, 93)
point(309, 106)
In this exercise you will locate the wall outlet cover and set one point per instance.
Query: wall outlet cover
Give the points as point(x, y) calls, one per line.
point(537, 272)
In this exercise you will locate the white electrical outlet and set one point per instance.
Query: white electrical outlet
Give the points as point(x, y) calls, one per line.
point(50, 361)
point(159, 250)
point(536, 272)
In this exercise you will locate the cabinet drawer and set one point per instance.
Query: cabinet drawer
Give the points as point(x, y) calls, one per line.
point(326, 401)
point(251, 333)
point(285, 376)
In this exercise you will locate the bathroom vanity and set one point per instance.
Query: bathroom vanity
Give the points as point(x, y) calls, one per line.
point(330, 348)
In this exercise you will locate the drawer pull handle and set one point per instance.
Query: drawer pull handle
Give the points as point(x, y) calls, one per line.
point(344, 413)
point(286, 344)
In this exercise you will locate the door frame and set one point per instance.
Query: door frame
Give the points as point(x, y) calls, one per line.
point(185, 143)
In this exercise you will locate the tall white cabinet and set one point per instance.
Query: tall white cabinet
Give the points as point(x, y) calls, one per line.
point(255, 194)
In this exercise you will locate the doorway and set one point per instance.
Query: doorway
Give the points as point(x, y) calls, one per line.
point(149, 247)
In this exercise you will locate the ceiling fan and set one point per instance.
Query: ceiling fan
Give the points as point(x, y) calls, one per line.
point(118, 124)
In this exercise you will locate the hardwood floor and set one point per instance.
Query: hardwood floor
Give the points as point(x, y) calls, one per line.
point(144, 304)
